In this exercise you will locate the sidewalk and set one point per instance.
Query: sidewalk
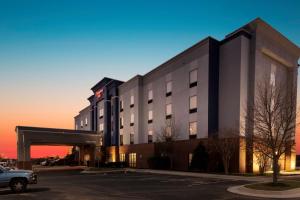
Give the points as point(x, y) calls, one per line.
point(242, 190)
point(57, 168)
point(181, 173)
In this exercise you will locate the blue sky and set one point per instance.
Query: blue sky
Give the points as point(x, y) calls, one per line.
point(62, 45)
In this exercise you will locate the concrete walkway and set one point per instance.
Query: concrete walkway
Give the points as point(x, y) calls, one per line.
point(181, 173)
point(242, 190)
point(38, 168)
point(203, 175)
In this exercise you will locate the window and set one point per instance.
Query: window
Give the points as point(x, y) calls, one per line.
point(131, 119)
point(76, 127)
point(168, 111)
point(193, 78)
point(81, 123)
point(169, 88)
point(101, 128)
point(121, 140)
point(86, 121)
point(150, 116)
point(101, 113)
point(131, 101)
point(150, 96)
point(101, 141)
point(193, 130)
point(272, 76)
point(190, 159)
point(121, 106)
point(132, 160)
point(168, 132)
point(193, 104)
point(122, 157)
point(150, 136)
point(121, 122)
point(131, 138)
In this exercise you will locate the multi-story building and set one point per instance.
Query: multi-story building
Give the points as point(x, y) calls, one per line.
point(206, 88)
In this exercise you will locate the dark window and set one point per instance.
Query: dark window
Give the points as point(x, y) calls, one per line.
point(121, 123)
point(150, 139)
point(193, 84)
point(168, 116)
point(132, 105)
point(193, 110)
point(131, 138)
point(150, 121)
point(101, 117)
point(131, 124)
point(193, 136)
point(168, 94)
point(121, 139)
point(121, 106)
point(150, 101)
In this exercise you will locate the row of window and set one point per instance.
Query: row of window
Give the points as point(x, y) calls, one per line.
point(192, 134)
point(192, 109)
point(193, 83)
point(132, 159)
point(85, 123)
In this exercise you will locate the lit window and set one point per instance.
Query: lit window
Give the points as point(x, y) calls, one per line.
point(190, 159)
point(193, 78)
point(150, 95)
point(193, 129)
point(132, 118)
point(150, 136)
point(121, 106)
point(132, 160)
point(150, 132)
point(101, 127)
point(122, 157)
point(272, 76)
point(81, 123)
point(86, 121)
point(131, 100)
point(193, 104)
point(101, 113)
point(150, 115)
point(169, 131)
point(169, 88)
point(168, 109)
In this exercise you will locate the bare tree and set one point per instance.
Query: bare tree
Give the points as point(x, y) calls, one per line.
point(273, 120)
point(168, 132)
point(225, 145)
point(261, 159)
point(165, 139)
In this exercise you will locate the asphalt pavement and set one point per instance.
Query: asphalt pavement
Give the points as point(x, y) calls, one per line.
point(72, 185)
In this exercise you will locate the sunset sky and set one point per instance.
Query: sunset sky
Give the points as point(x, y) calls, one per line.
point(53, 52)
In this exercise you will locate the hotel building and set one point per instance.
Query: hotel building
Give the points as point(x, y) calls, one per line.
point(202, 90)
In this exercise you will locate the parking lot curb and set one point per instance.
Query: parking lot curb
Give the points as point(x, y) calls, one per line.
point(242, 190)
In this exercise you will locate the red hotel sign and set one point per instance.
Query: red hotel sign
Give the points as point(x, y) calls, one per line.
point(99, 93)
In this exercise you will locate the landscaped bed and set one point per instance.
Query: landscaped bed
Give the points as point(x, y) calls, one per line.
point(280, 186)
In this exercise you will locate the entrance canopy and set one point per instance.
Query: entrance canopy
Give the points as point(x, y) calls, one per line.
point(27, 136)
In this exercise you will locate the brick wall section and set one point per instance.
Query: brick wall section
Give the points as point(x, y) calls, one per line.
point(181, 150)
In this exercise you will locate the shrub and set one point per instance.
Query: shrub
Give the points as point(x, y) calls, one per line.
point(200, 158)
point(159, 162)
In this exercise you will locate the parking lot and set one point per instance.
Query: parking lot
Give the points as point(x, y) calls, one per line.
point(69, 185)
